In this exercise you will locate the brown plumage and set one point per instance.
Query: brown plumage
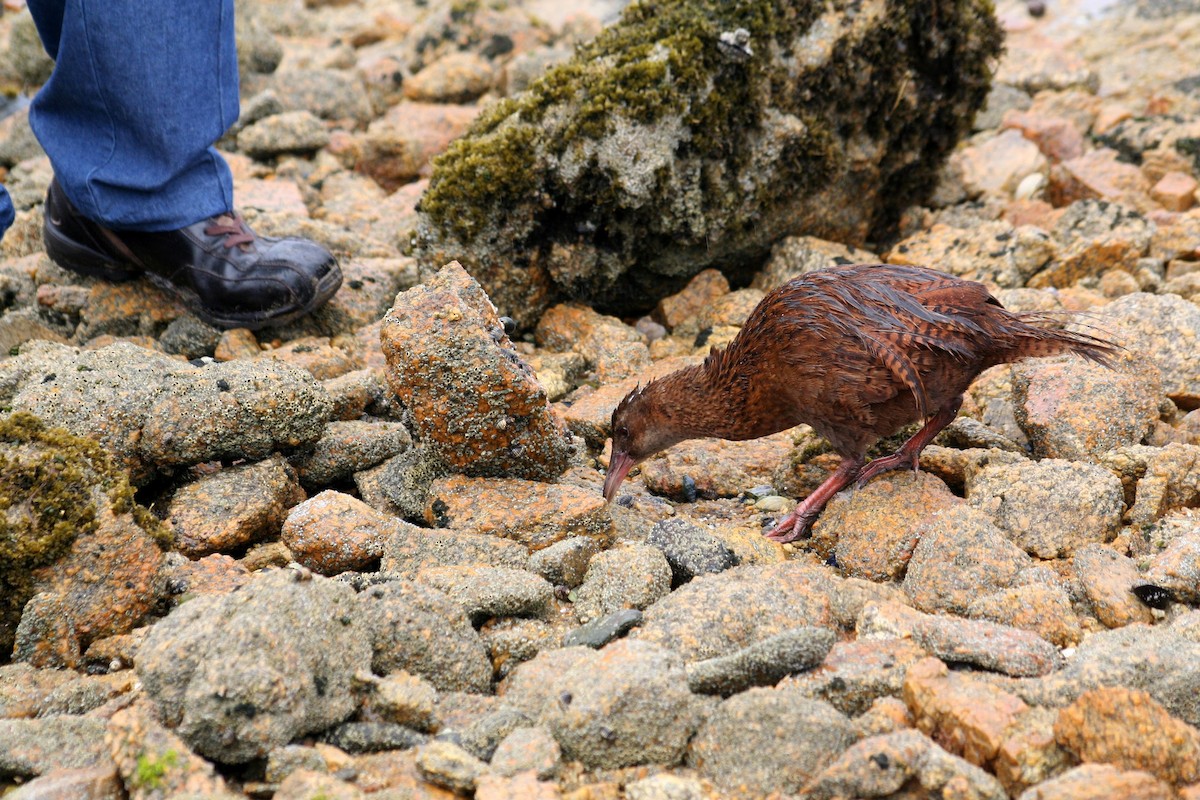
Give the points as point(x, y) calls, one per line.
point(857, 352)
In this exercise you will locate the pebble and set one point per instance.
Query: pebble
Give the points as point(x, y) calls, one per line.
point(599, 632)
point(690, 550)
point(527, 749)
point(763, 663)
point(1000, 648)
point(632, 576)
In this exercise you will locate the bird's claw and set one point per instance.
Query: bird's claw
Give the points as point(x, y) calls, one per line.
point(792, 527)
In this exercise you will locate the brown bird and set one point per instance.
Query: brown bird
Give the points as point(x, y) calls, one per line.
point(857, 352)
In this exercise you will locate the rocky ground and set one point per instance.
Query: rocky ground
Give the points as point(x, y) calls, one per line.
point(367, 554)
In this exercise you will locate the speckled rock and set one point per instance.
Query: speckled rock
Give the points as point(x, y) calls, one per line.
point(1171, 481)
point(372, 737)
point(445, 764)
point(690, 549)
point(880, 766)
point(715, 467)
point(30, 747)
point(153, 761)
point(763, 663)
point(871, 532)
point(959, 556)
point(286, 132)
point(1129, 729)
point(472, 398)
point(590, 415)
point(1177, 567)
point(454, 78)
point(854, 674)
point(610, 348)
point(400, 485)
point(232, 508)
point(704, 288)
point(484, 592)
point(969, 717)
point(564, 563)
point(414, 549)
point(1099, 175)
point(1075, 410)
point(601, 631)
point(1100, 782)
point(715, 615)
point(347, 447)
point(93, 783)
point(418, 629)
point(665, 786)
point(1159, 660)
point(1096, 236)
point(1105, 578)
point(527, 748)
point(82, 559)
point(999, 648)
point(398, 146)
point(334, 532)
point(1163, 330)
point(1040, 608)
point(315, 355)
point(1050, 508)
point(151, 410)
point(328, 93)
point(623, 705)
point(237, 674)
point(303, 784)
point(567, 131)
point(535, 514)
point(793, 256)
point(631, 576)
point(995, 253)
point(747, 746)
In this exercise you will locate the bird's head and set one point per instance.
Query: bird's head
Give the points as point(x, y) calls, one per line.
point(640, 428)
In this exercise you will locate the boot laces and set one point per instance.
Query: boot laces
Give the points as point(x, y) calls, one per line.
point(234, 230)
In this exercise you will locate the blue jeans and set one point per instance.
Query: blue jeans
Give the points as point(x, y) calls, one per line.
point(140, 91)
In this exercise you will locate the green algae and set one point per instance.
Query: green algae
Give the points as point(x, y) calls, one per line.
point(909, 82)
point(46, 480)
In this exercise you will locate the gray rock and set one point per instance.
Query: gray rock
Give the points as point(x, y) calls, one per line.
point(881, 766)
point(347, 447)
point(857, 673)
point(373, 737)
point(327, 93)
point(484, 735)
point(794, 256)
point(85, 783)
point(763, 663)
point(418, 629)
point(485, 592)
point(603, 630)
point(238, 674)
point(690, 549)
point(1000, 99)
point(565, 563)
point(189, 336)
point(527, 748)
point(422, 548)
point(289, 132)
point(1162, 661)
point(748, 744)
point(633, 576)
point(155, 412)
point(513, 640)
point(1000, 648)
point(960, 554)
point(525, 163)
point(624, 705)
point(665, 786)
point(282, 761)
point(447, 765)
point(1052, 507)
point(1177, 568)
point(1161, 329)
point(401, 484)
point(30, 747)
point(715, 615)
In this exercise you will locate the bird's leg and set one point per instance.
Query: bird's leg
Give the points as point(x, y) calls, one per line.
point(909, 453)
point(795, 525)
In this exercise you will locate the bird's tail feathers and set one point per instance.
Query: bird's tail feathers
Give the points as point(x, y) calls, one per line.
point(1047, 336)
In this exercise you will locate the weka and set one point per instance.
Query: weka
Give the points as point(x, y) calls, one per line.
point(857, 352)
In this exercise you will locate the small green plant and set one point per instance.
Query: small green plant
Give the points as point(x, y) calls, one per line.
point(151, 770)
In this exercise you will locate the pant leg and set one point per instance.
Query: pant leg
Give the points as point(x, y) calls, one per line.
point(7, 213)
point(140, 91)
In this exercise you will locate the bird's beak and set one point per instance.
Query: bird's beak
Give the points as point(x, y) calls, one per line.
point(619, 465)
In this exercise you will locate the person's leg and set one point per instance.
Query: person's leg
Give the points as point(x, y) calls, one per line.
point(7, 213)
point(140, 91)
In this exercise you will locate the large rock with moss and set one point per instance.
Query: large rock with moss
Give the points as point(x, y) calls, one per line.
point(79, 559)
point(695, 133)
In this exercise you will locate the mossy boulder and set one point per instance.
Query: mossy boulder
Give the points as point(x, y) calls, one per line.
point(696, 133)
point(80, 557)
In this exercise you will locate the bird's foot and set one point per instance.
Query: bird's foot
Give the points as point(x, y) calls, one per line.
point(792, 527)
point(897, 460)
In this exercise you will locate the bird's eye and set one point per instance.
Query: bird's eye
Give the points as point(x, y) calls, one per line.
point(621, 432)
